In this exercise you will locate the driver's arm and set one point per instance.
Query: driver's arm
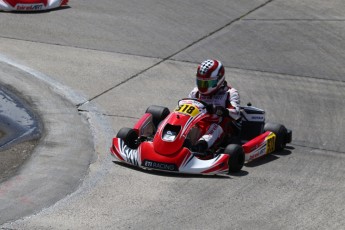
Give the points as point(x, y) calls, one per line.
point(193, 93)
point(234, 104)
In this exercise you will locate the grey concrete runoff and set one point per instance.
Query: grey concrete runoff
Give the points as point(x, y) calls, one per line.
point(18, 123)
point(110, 60)
point(20, 130)
point(62, 157)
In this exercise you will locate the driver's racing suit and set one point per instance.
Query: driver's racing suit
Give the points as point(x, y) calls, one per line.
point(226, 97)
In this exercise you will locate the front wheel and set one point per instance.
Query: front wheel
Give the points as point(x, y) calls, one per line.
point(159, 113)
point(129, 136)
point(236, 157)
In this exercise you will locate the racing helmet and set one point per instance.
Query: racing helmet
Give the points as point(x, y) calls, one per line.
point(210, 76)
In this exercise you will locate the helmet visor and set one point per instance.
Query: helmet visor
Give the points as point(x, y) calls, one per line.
point(204, 85)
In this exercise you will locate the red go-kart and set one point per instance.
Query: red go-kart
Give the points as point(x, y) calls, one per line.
point(31, 5)
point(161, 140)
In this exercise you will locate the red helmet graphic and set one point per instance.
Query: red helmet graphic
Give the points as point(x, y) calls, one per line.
point(210, 76)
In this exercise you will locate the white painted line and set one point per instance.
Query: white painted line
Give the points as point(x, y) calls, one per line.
point(59, 88)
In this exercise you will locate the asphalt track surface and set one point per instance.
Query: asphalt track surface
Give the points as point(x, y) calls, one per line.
point(95, 67)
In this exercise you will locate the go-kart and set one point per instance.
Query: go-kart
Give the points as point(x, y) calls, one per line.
point(163, 141)
point(30, 5)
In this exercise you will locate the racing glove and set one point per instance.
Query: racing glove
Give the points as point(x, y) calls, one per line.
point(218, 110)
point(210, 108)
point(221, 111)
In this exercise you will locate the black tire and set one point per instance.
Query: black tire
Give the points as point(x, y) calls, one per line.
point(159, 113)
point(280, 131)
point(236, 159)
point(129, 136)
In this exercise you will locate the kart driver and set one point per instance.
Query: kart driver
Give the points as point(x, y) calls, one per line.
point(225, 101)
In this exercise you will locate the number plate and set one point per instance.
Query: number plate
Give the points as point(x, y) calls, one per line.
point(188, 109)
point(271, 141)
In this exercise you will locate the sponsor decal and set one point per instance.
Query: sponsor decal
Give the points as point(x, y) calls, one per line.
point(159, 165)
point(258, 154)
point(257, 118)
point(214, 97)
point(29, 7)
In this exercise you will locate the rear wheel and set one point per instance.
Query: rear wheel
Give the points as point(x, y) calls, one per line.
point(236, 157)
point(129, 136)
point(159, 113)
point(280, 131)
